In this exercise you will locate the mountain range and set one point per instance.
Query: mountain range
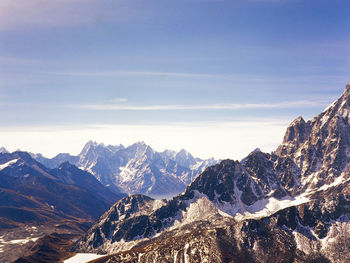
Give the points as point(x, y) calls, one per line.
point(33, 193)
point(36, 201)
point(292, 205)
point(136, 169)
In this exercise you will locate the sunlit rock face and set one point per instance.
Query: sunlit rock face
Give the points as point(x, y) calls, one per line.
point(292, 205)
point(321, 147)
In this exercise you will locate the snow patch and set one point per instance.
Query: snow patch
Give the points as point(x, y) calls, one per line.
point(337, 231)
point(201, 209)
point(339, 180)
point(187, 258)
point(82, 258)
point(305, 243)
point(267, 207)
point(3, 166)
point(17, 241)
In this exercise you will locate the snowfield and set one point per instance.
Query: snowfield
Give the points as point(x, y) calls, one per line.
point(83, 258)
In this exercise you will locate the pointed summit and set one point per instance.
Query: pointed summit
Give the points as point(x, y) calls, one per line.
point(184, 158)
point(90, 144)
point(296, 134)
point(139, 145)
point(320, 146)
point(3, 150)
point(341, 106)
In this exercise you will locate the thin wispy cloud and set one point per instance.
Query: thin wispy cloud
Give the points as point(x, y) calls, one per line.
point(118, 100)
point(174, 74)
point(106, 73)
point(226, 106)
point(18, 61)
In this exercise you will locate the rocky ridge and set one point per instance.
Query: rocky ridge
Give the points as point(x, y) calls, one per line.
point(288, 206)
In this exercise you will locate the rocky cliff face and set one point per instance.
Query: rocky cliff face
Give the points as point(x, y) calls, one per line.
point(320, 147)
point(289, 206)
point(226, 191)
point(317, 231)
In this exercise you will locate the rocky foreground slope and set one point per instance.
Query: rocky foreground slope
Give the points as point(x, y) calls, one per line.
point(289, 206)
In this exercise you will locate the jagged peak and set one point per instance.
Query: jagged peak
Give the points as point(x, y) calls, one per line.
point(297, 120)
point(169, 153)
point(256, 150)
point(339, 103)
point(88, 145)
point(139, 144)
point(257, 153)
point(345, 96)
point(222, 165)
point(91, 145)
point(184, 153)
point(347, 88)
point(141, 147)
point(137, 197)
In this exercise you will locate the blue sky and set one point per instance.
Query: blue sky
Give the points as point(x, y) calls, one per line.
point(218, 78)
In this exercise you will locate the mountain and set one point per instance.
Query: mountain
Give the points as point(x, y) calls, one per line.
point(30, 193)
point(135, 169)
point(3, 150)
point(292, 205)
point(37, 202)
point(221, 194)
point(55, 161)
point(321, 147)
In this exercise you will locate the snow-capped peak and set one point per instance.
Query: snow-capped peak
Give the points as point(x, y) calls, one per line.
point(3, 150)
point(136, 168)
point(184, 158)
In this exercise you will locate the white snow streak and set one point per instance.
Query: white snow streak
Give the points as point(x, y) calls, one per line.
point(3, 166)
point(83, 258)
point(267, 207)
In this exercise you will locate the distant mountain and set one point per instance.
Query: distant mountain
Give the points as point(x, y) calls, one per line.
point(292, 205)
point(31, 193)
point(135, 169)
point(3, 150)
point(56, 161)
